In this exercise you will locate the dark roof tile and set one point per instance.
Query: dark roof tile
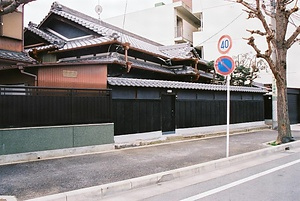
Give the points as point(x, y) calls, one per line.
point(116, 81)
point(105, 31)
point(15, 56)
point(51, 38)
point(115, 57)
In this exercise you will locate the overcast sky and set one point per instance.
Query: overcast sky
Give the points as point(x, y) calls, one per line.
point(37, 10)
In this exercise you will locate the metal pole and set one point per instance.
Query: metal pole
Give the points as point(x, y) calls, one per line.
point(228, 115)
point(273, 56)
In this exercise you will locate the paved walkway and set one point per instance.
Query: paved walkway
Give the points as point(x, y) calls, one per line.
point(40, 178)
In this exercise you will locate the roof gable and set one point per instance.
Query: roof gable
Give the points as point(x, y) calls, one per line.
point(33, 34)
point(99, 29)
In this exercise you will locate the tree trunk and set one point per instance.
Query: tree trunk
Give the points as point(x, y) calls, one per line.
point(284, 128)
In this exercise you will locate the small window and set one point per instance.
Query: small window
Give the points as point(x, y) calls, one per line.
point(67, 30)
point(200, 17)
point(200, 51)
point(179, 27)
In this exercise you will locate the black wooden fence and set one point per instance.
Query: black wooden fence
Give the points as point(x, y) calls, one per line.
point(37, 106)
point(136, 116)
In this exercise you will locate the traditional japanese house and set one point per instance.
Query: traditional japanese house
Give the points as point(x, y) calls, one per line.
point(168, 84)
point(75, 50)
point(12, 55)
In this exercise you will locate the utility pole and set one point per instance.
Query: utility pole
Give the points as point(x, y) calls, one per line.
point(273, 56)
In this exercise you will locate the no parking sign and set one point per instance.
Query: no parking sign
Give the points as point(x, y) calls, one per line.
point(224, 65)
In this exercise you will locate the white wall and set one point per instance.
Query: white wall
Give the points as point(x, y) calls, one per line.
point(155, 23)
point(188, 28)
point(222, 17)
point(219, 18)
point(293, 65)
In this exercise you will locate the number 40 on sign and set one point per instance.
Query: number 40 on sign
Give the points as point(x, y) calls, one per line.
point(224, 44)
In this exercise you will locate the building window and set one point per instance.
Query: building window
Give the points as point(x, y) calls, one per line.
point(200, 17)
point(179, 27)
point(200, 51)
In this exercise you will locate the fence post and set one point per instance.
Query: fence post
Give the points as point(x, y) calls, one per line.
point(72, 106)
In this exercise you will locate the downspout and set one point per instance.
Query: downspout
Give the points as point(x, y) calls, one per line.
point(196, 68)
point(128, 63)
point(22, 70)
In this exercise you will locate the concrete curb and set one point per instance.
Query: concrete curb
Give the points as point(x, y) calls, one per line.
point(7, 198)
point(52, 154)
point(96, 192)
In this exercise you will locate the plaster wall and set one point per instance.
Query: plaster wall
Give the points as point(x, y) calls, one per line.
point(224, 17)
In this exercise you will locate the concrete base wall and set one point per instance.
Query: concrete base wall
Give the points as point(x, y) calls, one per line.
point(136, 139)
point(22, 140)
point(219, 128)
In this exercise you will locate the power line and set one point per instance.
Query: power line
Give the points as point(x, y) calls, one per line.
point(212, 7)
point(221, 29)
point(125, 14)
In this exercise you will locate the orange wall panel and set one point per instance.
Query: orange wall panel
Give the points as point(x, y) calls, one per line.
point(83, 76)
point(10, 44)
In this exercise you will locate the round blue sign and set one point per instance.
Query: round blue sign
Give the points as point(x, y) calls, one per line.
point(224, 65)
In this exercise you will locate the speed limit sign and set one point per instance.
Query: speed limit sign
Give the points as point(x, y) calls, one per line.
point(224, 44)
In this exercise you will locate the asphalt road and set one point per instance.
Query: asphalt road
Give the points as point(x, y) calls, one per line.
point(275, 178)
point(40, 178)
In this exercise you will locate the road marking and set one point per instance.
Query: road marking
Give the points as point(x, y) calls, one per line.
point(238, 182)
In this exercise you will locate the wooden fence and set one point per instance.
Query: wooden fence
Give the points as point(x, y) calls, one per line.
point(36, 106)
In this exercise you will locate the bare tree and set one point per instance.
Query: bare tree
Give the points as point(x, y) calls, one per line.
point(9, 6)
point(247, 69)
point(278, 43)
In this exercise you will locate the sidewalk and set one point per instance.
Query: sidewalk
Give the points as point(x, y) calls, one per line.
point(104, 173)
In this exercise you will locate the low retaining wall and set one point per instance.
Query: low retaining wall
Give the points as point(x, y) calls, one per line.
point(138, 138)
point(22, 140)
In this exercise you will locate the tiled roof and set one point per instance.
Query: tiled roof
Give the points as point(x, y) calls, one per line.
point(104, 29)
point(115, 81)
point(118, 58)
point(114, 57)
point(15, 56)
point(177, 51)
point(51, 38)
point(110, 33)
point(85, 42)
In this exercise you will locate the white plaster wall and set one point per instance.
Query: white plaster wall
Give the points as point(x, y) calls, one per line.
point(223, 17)
point(219, 18)
point(155, 23)
point(188, 28)
point(293, 66)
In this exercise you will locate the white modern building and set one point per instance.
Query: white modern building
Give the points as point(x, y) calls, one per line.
point(167, 24)
point(202, 23)
point(222, 17)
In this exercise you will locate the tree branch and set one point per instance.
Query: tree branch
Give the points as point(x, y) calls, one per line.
point(257, 32)
point(266, 56)
point(251, 42)
point(9, 6)
point(263, 6)
point(293, 38)
point(258, 14)
point(293, 10)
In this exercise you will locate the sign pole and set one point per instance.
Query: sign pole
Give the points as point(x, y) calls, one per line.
point(228, 116)
point(225, 65)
